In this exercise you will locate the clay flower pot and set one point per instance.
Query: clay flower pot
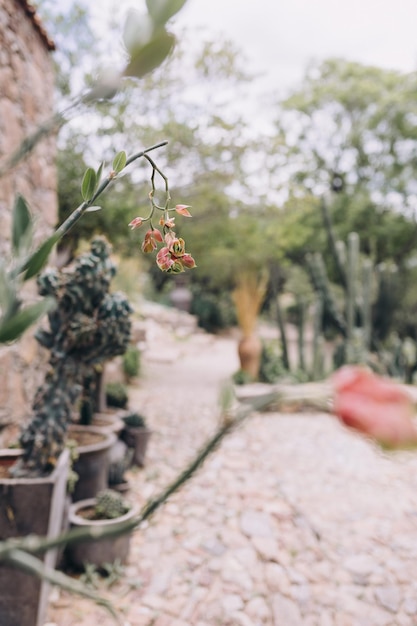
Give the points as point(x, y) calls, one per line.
point(102, 551)
point(92, 465)
point(250, 350)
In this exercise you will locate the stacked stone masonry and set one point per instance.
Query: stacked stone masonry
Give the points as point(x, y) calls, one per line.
point(26, 101)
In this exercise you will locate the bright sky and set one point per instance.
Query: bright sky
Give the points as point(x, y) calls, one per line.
point(283, 36)
point(280, 37)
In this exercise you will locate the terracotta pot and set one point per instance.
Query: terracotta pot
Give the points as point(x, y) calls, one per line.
point(103, 550)
point(29, 506)
point(92, 465)
point(137, 439)
point(250, 350)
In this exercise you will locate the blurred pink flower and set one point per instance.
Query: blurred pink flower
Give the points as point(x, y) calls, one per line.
point(375, 406)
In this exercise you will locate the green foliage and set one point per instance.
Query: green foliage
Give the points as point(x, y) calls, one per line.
point(151, 55)
point(241, 377)
point(89, 184)
point(134, 420)
point(14, 327)
point(349, 129)
point(213, 311)
point(131, 362)
point(271, 368)
point(162, 10)
point(367, 113)
point(15, 319)
point(116, 395)
point(39, 258)
point(21, 225)
point(119, 161)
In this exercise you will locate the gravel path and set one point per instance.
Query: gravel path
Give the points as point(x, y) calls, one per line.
point(292, 521)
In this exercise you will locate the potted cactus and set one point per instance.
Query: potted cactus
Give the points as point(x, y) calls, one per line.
point(107, 508)
point(136, 436)
point(87, 326)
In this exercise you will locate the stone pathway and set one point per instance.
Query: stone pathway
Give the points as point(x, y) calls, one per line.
point(292, 521)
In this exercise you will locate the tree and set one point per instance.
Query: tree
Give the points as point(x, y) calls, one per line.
point(351, 129)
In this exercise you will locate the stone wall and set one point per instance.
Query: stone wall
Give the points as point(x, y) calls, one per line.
point(26, 100)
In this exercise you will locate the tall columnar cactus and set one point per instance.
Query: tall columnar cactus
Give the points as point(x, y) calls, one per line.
point(354, 323)
point(320, 281)
point(317, 369)
point(352, 279)
point(88, 326)
point(302, 309)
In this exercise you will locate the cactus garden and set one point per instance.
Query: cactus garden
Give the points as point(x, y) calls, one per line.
point(208, 319)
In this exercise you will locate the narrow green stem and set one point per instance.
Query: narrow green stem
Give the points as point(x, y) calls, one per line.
point(77, 213)
point(75, 216)
point(155, 168)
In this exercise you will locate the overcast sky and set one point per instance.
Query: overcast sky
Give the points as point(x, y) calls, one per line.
point(282, 36)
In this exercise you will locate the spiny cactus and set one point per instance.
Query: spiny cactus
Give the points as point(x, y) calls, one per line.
point(88, 326)
point(354, 323)
point(110, 505)
point(134, 420)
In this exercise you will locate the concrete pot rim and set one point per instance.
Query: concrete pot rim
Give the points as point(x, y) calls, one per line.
point(109, 438)
point(13, 454)
point(78, 520)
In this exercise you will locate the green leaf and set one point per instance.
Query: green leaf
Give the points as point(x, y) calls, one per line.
point(150, 56)
point(21, 321)
point(88, 186)
point(162, 10)
point(99, 172)
point(119, 161)
point(39, 258)
point(138, 30)
point(21, 224)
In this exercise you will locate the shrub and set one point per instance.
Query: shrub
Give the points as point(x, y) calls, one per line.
point(242, 378)
point(213, 311)
point(131, 362)
point(271, 368)
point(116, 395)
